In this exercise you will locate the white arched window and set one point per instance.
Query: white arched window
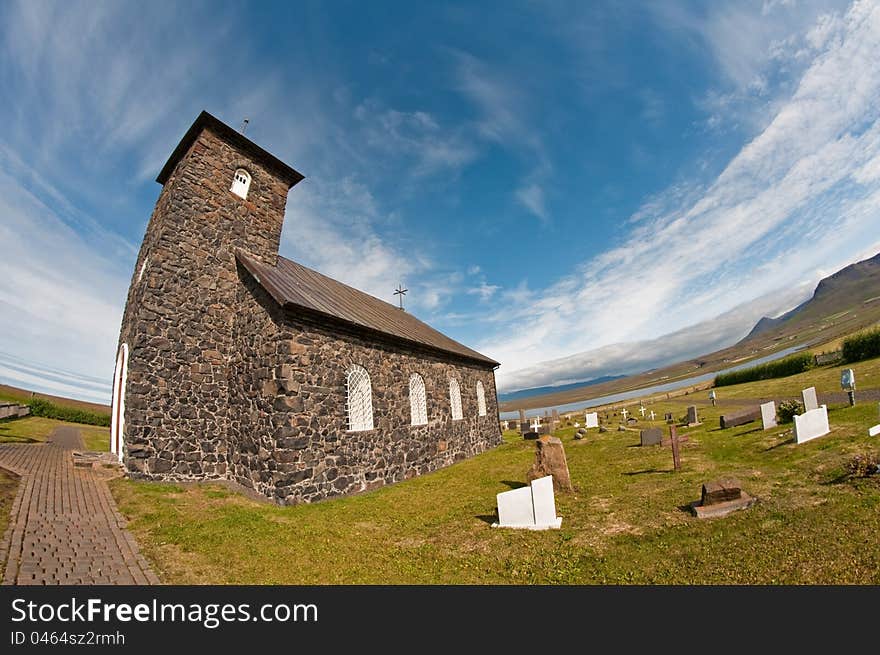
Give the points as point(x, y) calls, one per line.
point(360, 399)
point(481, 399)
point(418, 405)
point(117, 418)
point(455, 399)
point(241, 182)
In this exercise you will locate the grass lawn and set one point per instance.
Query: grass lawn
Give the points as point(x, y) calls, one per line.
point(625, 524)
point(36, 429)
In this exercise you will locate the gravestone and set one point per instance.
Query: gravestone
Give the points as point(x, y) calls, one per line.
point(741, 417)
point(523, 424)
point(592, 420)
point(555, 414)
point(652, 414)
point(720, 498)
point(530, 435)
point(692, 418)
point(512, 425)
point(811, 424)
point(550, 460)
point(768, 415)
point(651, 437)
point(809, 397)
point(531, 508)
point(668, 417)
point(545, 428)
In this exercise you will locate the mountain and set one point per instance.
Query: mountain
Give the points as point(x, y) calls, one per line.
point(537, 391)
point(849, 297)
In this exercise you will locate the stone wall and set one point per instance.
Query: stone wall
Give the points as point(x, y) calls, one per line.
point(289, 437)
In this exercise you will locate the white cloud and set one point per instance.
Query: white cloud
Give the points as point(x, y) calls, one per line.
point(696, 251)
point(532, 198)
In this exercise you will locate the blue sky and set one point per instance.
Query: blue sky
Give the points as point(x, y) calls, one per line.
point(575, 189)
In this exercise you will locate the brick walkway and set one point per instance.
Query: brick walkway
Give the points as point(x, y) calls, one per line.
point(64, 527)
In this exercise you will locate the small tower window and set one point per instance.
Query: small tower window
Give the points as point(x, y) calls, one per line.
point(241, 182)
point(455, 399)
point(481, 399)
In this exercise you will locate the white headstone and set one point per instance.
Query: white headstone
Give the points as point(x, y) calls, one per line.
point(515, 508)
point(768, 415)
point(532, 507)
point(592, 420)
point(812, 424)
point(809, 397)
point(652, 414)
point(624, 412)
point(544, 503)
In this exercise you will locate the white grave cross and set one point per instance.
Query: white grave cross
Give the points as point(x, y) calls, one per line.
point(652, 414)
point(624, 412)
point(642, 410)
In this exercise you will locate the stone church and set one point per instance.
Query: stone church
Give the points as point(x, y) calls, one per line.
point(237, 364)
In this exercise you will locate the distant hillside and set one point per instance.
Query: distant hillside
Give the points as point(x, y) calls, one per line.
point(14, 394)
point(537, 391)
point(837, 295)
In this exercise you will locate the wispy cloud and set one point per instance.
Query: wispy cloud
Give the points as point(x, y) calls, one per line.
point(532, 198)
point(753, 229)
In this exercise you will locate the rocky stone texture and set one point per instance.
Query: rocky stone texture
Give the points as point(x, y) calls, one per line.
point(224, 384)
point(720, 491)
point(550, 460)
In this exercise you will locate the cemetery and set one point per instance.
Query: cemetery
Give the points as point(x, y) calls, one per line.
point(619, 512)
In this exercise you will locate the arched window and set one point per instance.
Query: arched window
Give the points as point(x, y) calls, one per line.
point(455, 398)
point(117, 418)
point(360, 399)
point(241, 182)
point(481, 399)
point(418, 406)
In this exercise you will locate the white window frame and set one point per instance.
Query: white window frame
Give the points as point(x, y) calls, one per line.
point(241, 183)
point(455, 399)
point(359, 399)
point(418, 402)
point(117, 416)
point(481, 399)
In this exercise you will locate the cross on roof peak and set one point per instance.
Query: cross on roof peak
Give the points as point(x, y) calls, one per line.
point(400, 291)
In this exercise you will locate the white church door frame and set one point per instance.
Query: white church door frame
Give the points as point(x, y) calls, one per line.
point(117, 422)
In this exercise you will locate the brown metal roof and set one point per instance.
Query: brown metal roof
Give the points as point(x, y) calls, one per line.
point(206, 120)
point(293, 285)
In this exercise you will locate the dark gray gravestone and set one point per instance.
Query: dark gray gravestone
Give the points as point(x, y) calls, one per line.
point(530, 435)
point(651, 436)
point(741, 417)
point(523, 424)
point(692, 415)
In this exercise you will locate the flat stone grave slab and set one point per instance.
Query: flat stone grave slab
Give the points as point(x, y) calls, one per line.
point(741, 417)
point(768, 415)
point(721, 497)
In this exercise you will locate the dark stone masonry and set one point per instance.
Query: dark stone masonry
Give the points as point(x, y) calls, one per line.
point(228, 380)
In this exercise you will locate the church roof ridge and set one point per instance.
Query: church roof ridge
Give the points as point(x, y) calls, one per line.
point(292, 284)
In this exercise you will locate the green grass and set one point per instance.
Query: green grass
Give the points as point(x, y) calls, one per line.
point(624, 524)
point(36, 429)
